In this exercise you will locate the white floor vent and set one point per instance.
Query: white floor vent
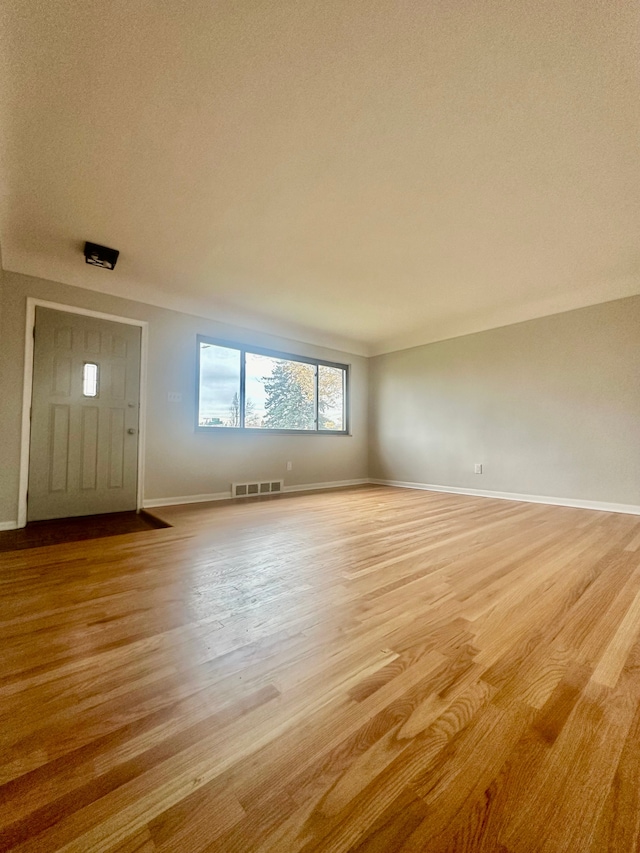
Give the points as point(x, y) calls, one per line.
point(250, 490)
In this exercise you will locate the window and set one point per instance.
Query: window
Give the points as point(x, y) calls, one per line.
point(258, 389)
point(90, 379)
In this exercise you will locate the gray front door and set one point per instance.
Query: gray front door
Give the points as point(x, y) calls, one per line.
point(84, 416)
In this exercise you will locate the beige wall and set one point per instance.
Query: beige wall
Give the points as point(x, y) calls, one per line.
point(179, 461)
point(550, 407)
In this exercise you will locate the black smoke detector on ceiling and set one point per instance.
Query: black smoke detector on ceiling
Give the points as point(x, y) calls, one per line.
point(100, 256)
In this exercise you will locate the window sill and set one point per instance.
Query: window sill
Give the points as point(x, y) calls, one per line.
point(257, 431)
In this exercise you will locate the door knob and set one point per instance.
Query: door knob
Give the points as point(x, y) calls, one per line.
point(131, 431)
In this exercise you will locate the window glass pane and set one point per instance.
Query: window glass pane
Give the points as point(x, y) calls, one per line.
point(331, 382)
point(280, 394)
point(89, 380)
point(219, 386)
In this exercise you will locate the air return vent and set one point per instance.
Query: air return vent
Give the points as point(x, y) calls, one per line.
point(259, 487)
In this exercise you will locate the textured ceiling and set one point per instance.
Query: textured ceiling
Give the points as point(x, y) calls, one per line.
point(370, 175)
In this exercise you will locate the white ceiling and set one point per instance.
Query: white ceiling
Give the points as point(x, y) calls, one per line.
point(364, 174)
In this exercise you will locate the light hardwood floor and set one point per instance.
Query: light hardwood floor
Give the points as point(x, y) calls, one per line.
point(366, 670)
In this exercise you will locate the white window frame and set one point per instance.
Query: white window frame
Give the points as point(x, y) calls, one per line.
point(243, 350)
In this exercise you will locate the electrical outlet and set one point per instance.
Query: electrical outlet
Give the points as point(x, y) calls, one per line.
point(477, 468)
point(174, 397)
point(289, 466)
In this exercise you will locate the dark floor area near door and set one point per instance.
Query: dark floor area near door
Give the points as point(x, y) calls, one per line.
point(38, 533)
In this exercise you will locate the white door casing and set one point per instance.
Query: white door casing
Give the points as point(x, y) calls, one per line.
point(84, 416)
point(81, 426)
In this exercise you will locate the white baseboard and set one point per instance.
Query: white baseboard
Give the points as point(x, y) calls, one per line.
point(332, 484)
point(600, 506)
point(150, 503)
point(8, 525)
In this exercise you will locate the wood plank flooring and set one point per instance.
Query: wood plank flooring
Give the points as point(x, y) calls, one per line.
point(365, 670)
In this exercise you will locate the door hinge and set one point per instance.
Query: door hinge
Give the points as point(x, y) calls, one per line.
point(34, 333)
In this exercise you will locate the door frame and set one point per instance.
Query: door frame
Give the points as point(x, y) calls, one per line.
point(25, 439)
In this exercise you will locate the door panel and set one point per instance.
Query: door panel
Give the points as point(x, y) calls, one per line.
point(84, 435)
point(89, 441)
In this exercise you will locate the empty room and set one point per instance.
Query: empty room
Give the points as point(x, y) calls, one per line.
point(320, 426)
